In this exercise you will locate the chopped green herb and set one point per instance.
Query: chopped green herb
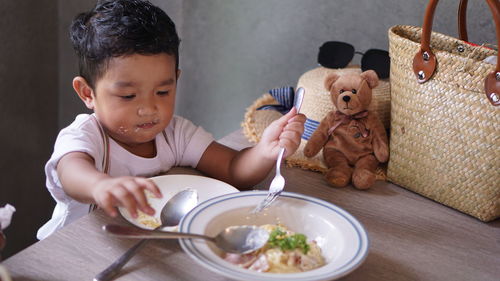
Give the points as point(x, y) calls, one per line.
point(280, 239)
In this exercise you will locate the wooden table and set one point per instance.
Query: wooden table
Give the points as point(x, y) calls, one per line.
point(411, 238)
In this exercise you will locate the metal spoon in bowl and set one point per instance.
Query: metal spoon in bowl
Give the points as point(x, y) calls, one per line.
point(240, 239)
point(171, 214)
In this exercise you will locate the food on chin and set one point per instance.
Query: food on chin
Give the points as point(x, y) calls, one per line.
point(284, 252)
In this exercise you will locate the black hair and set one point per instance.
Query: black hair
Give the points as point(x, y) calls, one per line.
point(115, 28)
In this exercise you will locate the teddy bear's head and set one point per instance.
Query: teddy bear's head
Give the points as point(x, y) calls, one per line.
point(351, 93)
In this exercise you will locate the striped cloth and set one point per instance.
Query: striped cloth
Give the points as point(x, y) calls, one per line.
point(285, 96)
point(309, 128)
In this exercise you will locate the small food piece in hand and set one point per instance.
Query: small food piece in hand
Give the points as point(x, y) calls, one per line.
point(147, 220)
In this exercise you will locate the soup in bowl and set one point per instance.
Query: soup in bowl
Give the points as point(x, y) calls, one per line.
point(341, 238)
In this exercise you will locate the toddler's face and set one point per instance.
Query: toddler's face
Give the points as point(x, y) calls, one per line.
point(134, 100)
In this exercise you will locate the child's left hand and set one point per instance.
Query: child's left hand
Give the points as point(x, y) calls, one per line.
point(285, 132)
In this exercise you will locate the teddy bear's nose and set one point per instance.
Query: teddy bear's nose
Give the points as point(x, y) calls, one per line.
point(346, 98)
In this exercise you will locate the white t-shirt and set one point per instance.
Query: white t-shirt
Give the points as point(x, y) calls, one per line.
point(184, 146)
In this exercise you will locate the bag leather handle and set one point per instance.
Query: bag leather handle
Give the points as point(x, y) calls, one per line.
point(462, 20)
point(424, 62)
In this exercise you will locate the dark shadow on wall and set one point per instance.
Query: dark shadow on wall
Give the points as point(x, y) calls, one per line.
point(28, 114)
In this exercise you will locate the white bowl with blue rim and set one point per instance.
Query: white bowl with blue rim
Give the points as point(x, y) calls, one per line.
point(341, 237)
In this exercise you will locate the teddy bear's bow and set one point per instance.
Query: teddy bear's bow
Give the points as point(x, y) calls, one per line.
point(345, 119)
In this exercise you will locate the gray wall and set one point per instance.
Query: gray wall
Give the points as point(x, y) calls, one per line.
point(28, 110)
point(232, 51)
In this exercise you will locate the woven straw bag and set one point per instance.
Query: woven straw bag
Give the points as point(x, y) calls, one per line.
point(315, 106)
point(445, 131)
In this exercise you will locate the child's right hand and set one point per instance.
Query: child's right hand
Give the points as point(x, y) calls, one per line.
point(127, 192)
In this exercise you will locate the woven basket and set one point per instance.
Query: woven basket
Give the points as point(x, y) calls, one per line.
point(316, 105)
point(445, 133)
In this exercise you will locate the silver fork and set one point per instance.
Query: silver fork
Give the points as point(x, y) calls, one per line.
point(278, 182)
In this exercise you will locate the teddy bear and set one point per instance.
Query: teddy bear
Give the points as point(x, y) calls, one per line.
point(352, 137)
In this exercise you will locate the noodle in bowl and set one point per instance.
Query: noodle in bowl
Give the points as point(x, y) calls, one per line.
point(341, 238)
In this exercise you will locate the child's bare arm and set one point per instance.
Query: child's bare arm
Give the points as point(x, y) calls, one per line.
point(251, 165)
point(83, 182)
point(238, 168)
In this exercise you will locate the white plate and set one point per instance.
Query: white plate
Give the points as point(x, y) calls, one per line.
point(342, 239)
point(169, 185)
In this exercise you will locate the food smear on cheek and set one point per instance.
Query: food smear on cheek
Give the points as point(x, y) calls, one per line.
point(122, 130)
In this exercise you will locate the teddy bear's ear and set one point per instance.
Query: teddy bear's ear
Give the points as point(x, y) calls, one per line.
point(330, 79)
point(371, 77)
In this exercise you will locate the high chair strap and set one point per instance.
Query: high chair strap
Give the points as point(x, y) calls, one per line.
point(105, 158)
point(105, 141)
